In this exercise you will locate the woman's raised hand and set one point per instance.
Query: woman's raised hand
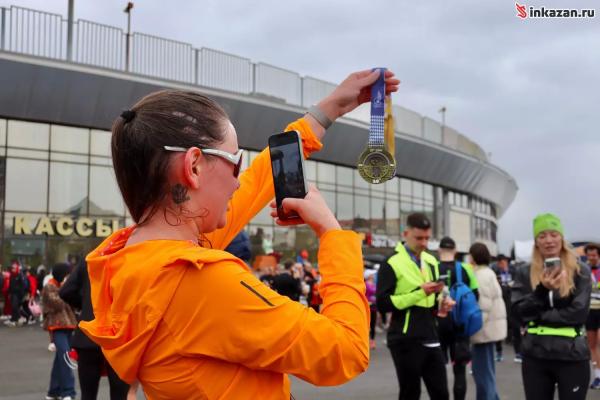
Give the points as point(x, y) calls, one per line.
point(354, 91)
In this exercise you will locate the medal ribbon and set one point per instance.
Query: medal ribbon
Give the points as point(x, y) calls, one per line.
point(390, 136)
point(377, 130)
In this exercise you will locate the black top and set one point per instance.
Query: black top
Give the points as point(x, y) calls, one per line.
point(286, 285)
point(77, 293)
point(534, 306)
point(448, 268)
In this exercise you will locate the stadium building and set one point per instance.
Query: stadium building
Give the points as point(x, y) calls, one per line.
point(62, 84)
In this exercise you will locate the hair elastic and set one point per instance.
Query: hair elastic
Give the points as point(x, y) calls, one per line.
point(128, 115)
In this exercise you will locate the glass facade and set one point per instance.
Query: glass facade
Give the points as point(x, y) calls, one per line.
point(59, 197)
point(58, 190)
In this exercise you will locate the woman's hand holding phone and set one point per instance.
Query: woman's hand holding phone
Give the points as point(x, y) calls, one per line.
point(312, 210)
point(552, 278)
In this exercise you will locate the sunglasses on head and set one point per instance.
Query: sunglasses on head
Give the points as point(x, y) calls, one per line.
point(235, 159)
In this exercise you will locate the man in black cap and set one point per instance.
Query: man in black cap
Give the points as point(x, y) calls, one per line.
point(454, 345)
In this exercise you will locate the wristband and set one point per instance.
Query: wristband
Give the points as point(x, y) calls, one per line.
point(320, 116)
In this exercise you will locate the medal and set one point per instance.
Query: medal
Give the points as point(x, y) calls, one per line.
point(376, 164)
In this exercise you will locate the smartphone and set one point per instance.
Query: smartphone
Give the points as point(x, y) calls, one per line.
point(551, 263)
point(287, 165)
point(442, 279)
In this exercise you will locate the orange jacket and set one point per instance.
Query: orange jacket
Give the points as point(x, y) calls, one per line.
point(194, 323)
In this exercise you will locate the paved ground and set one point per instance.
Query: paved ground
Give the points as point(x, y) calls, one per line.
point(25, 370)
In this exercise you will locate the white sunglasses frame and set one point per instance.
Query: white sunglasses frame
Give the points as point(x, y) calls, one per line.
point(230, 157)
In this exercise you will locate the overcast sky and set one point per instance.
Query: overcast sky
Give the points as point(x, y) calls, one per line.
point(528, 91)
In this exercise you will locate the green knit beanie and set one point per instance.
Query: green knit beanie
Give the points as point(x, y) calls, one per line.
point(547, 222)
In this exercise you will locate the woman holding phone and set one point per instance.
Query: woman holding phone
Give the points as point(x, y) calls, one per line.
point(551, 298)
point(182, 317)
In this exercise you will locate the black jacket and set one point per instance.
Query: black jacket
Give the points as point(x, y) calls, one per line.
point(422, 327)
point(534, 306)
point(76, 292)
point(286, 285)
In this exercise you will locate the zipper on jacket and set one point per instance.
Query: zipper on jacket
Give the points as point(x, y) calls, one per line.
point(406, 319)
point(263, 298)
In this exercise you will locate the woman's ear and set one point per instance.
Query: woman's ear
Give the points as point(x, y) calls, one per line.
point(192, 166)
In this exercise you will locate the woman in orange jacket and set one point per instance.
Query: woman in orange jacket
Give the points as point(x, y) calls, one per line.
point(189, 321)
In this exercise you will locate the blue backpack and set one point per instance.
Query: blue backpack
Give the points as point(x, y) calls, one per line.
point(466, 313)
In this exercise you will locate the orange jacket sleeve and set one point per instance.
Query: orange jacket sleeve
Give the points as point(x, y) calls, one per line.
point(223, 311)
point(256, 188)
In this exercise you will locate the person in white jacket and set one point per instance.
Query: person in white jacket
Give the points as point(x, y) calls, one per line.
point(494, 323)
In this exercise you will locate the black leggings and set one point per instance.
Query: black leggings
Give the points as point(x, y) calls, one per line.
point(373, 321)
point(414, 361)
point(89, 369)
point(541, 376)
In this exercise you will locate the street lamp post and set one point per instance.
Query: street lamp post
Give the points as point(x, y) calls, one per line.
point(70, 23)
point(443, 112)
point(127, 10)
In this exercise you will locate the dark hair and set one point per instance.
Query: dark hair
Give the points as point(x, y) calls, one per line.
point(592, 246)
point(502, 257)
point(480, 254)
point(418, 220)
point(59, 271)
point(288, 264)
point(165, 118)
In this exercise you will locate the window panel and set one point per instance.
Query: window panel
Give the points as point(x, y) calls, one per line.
point(69, 188)
point(29, 135)
point(3, 132)
point(428, 192)
point(405, 187)
point(76, 158)
point(26, 185)
point(100, 142)
point(42, 155)
point(69, 139)
point(344, 176)
point(392, 217)
point(101, 161)
point(359, 182)
point(377, 214)
point(105, 197)
point(311, 170)
point(325, 172)
point(361, 212)
point(417, 189)
point(391, 187)
point(329, 199)
point(345, 209)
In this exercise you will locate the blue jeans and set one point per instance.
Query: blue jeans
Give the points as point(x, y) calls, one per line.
point(484, 371)
point(62, 381)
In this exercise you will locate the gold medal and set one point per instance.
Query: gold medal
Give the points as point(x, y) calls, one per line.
point(376, 165)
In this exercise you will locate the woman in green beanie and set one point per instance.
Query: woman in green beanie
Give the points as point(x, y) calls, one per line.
point(552, 301)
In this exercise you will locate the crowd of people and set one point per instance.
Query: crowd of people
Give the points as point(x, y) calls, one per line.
point(540, 307)
point(21, 289)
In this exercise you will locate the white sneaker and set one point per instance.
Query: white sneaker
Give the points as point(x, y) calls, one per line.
point(4, 317)
point(52, 347)
point(67, 398)
point(10, 324)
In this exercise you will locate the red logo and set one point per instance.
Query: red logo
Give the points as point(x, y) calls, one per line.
point(521, 11)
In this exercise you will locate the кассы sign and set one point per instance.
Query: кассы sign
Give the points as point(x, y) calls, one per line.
point(65, 226)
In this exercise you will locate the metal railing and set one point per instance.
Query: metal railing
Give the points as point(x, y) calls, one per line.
point(220, 70)
point(43, 34)
point(99, 45)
